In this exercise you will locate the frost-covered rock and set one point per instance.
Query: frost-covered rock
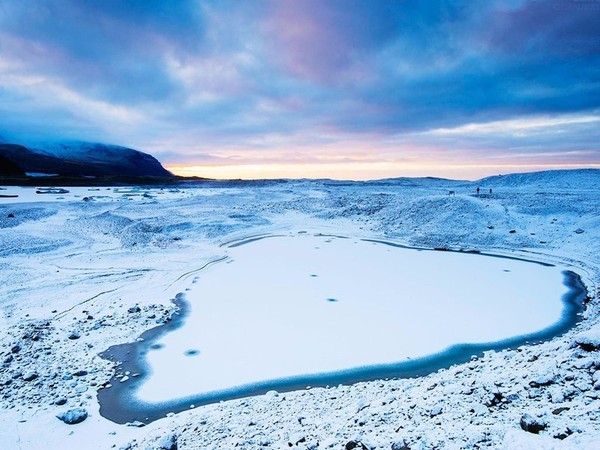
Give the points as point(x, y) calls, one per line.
point(545, 379)
point(589, 340)
point(73, 416)
point(400, 445)
point(351, 445)
point(136, 424)
point(30, 375)
point(168, 442)
point(531, 424)
point(74, 335)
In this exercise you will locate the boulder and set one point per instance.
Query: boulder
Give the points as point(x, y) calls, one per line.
point(168, 442)
point(350, 445)
point(401, 445)
point(531, 424)
point(73, 416)
point(589, 340)
point(136, 424)
point(30, 376)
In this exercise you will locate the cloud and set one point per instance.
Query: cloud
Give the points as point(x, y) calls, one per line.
point(294, 78)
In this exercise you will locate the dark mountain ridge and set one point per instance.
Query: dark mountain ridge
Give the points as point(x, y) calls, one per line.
point(82, 159)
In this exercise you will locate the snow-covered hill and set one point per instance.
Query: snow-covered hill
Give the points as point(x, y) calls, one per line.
point(83, 159)
point(550, 179)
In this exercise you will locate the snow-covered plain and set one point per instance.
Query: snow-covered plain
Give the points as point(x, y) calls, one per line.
point(80, 276)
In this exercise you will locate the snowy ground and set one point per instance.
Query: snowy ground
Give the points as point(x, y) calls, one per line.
point(73, 271)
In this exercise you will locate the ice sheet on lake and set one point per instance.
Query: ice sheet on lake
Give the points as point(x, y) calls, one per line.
point(267, 313)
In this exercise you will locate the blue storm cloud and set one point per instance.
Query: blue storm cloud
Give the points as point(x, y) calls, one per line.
point(202, 74)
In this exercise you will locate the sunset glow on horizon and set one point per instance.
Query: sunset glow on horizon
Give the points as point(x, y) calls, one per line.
point(343, 89)
point(360, 171)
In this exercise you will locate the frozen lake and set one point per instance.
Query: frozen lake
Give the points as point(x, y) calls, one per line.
point(281, 311)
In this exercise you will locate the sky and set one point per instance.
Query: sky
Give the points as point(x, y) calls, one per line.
point(346, 89)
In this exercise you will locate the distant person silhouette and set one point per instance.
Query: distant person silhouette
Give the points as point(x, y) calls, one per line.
point(477, 191)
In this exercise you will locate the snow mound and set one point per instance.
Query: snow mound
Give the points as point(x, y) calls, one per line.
point(558, 179)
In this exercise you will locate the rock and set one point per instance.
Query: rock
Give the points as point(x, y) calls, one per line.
point(60, 401)
point(362, 404)
point(402, 445)
point(479, 409)
point(16, 348)
point(11, 216)
point(80, 388)
point(543, 380)
point(73, 416)
point(578, 231)
point(560, 410)
point(74, 335)
point(80, 373)
point(589, 340)
point(531, 424)
point(512, 231)
point(136, 424)
point(134, 309)
point(356, 444)
point(295, 439)
point(30, 376)
point(596, 380)
point(168, 442)
point(435, 411)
